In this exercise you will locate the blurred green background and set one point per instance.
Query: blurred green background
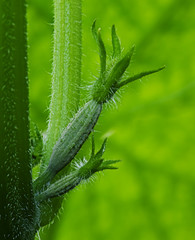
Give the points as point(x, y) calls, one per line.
point(151, 196)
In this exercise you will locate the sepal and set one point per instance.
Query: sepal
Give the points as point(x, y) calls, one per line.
point(111, 77)
point(108, 164)
point(102, 50)
point(115, 44)
point(138, 76)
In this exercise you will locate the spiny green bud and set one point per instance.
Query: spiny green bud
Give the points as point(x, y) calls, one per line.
point(70, 142)
point(95, 164)
point(84, 121)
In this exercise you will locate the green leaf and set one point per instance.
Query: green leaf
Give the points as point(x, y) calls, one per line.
point(115, 43)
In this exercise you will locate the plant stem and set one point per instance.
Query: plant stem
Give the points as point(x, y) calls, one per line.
point(17, 208)
point(66, 79)
point(66, 70)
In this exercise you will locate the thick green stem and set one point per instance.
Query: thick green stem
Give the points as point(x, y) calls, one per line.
point(17, 208)
point(66, 79)
point(66, 70)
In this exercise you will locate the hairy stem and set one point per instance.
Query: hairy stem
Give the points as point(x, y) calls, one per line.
point(66, 70)
point(66, 79)
point(17, 208)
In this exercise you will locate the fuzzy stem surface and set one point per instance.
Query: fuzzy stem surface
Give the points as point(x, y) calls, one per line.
point(17, 208)
point(66, 70)
point(66, 79)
